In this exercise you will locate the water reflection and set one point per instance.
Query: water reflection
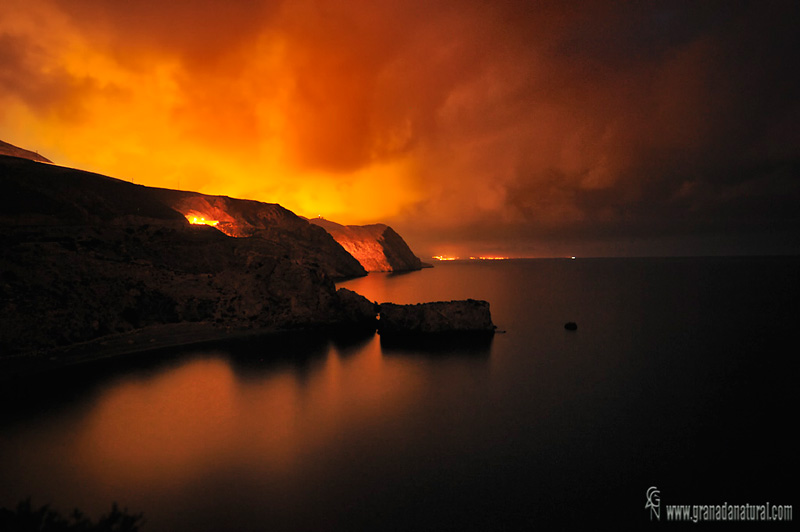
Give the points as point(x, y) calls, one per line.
point(461, 345)
point(165, 427)
point(538, 427)
point(274, 412)
point(253, 357)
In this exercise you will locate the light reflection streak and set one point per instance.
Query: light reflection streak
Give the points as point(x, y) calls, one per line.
point(170, 428)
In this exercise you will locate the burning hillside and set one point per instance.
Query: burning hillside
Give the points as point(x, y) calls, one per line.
point(88, 257)
point(377, 247)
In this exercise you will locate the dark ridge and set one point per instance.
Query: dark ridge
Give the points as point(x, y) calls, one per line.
point(93, 266)
point(14, 151)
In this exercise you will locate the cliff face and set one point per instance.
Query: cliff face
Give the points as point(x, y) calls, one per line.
point(87, 257)
point(53, 195)
point(377, 247)
point(299, 239)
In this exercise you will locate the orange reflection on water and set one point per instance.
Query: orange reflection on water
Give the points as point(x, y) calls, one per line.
point(170, 428)
point(296, 415)
point(161, 427)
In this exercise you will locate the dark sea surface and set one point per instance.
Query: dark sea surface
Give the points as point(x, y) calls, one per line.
point(681, 375)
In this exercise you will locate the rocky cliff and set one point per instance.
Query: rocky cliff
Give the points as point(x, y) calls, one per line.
point(377, 247)
point(88, 257)
point(269, 221)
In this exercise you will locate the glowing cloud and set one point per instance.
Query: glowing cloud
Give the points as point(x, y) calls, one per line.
point(465, 121)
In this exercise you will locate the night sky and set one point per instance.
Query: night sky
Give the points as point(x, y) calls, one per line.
point(516, 128)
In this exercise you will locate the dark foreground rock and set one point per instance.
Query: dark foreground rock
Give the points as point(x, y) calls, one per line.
point(356, 309)
point(63, 286)
point(467, 316)
point(96, 263)
point(35, 195)
point(94, 267)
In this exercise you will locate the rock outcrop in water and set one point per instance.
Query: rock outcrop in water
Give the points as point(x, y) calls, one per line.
point(469, 315)
point(88, 257)
point(357, 310)
point(377, 247)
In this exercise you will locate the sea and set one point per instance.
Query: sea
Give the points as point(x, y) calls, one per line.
point(676, 389)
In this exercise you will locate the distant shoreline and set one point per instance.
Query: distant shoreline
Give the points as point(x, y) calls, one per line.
point(631, 257)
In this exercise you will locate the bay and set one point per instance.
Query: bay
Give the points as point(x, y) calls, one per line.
point(678, 376)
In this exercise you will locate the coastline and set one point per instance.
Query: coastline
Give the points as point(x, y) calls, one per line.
point(424, 322)
point(141, 341)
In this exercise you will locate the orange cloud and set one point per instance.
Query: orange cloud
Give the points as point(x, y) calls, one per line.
point(471, 120)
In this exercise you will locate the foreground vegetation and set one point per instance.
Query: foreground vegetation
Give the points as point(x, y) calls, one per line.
point(27, 518)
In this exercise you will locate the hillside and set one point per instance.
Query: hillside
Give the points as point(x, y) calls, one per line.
point(13, 151)
point(377, 247)
point(88, 259)
point(53, 195)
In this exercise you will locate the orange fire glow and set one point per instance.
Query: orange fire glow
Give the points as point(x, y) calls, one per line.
point(144, 108)
point(199, 220)
point(468, 119)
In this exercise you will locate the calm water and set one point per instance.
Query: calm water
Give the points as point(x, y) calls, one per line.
point(678, 376)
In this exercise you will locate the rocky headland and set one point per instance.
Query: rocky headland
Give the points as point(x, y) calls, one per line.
point(94, 266)
point(377, 246)
point(88, 257)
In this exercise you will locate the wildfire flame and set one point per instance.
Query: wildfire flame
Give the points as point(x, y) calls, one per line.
point(199, 220)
